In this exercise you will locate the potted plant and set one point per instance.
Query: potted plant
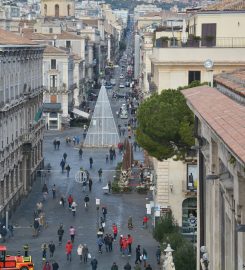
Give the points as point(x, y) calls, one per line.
point(209, 41)
point(164, 41)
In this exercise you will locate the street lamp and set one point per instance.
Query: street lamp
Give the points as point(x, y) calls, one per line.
point(97, 202)
point(208, 64)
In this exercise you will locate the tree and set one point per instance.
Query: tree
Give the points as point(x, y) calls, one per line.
point(165, 226)
point(185, 257)
point(165, 125)
point(166, 232)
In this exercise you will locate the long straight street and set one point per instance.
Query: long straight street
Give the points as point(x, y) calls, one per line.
point(119, 206)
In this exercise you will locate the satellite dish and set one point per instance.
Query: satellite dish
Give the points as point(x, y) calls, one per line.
point(208, 64)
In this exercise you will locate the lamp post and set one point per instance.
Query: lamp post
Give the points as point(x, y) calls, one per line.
point(208, 64)
point(97, 202)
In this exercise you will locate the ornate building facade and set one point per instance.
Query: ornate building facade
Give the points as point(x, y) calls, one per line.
point(21, 126)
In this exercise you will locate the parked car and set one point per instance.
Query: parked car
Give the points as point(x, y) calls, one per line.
point(121, 76)
point(121, 85)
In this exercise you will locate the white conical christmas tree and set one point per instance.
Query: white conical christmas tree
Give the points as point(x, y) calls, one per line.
point(102, 131)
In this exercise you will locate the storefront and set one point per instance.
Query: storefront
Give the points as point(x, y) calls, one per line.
point(52, 115)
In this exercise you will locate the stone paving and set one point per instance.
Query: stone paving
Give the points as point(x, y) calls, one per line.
point(120, 207)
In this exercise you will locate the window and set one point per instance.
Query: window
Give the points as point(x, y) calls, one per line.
point(194, 76)
point(53, 63)
point(68, 44)
point(57, 11)
point(53, 80)
point(50, 30)
point(189, 216)
point(68, 10)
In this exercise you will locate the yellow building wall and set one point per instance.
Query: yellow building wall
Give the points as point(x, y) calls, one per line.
point(228, 25)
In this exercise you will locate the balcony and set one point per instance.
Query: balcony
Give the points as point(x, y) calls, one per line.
point(197, 42)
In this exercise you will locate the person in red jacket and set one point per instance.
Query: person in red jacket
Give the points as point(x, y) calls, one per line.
point(145, 220)
point(130, 241)
point(124, 246)
point(115, 230)
point(70, 200)
point(47, 266)
point(68, 250)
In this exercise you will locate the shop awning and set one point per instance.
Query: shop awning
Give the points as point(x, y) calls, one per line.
point(80, 113)
point(38, 115)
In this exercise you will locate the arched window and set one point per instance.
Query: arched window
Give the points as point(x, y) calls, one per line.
point(45, 10)
point(68, 10)
point(189, 215)
point(56, 10)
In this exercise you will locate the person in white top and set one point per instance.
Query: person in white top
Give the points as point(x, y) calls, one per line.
point(80, 252)
point(74, 208)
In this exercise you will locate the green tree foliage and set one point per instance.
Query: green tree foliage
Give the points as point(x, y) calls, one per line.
point(185, 257)
point(165, 226)
point(165, 125)
point(166, 232)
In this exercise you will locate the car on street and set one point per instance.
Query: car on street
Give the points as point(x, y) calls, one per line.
point(121, 85)
point(121, 76)
point(127, 84)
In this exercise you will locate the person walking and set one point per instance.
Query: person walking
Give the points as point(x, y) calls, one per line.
point(72, 233)
point(148, 267)
point(58, 143)
point(94, 264)
point(138, 254)
point(80, 252)
point(62, 201)
point(64, 156)
point(54, 191)
point(62, 165)
point(80, 153)
point(3, 233)
point(86, 201)
point(68, 168)
point(100, 174)
point(74, 208)
point(145, 221)
point(90, 183)
point(100, 243)
point(144, 253)
point(51, 247)
point(104, 212)
point(91, 162)
point(47, 266)
point(114, 266)
point(68, 250)
point(130, 241)
point(124, 246)
point(44, 248)
point(70, 201)
point(130, 223)
point(127, 266)
point(55, 265)
point(115, 231)
point(84, 184)
point(110, 241)
point(85, 253)
point(109, 186)
point(106, 241)
point(158, 254)
point(60, 233)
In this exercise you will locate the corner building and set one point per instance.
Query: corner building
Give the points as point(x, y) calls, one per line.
point(21, 126)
